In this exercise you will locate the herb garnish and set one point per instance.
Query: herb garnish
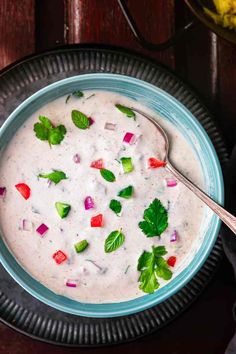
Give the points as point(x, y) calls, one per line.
point(114, 240)
point(126, 192)
point(152, 265)
point(107, 175)
point(115, 206)
point(46, 131)
point(81, 246)
point(79, 119)
point(155, 219)
point(126, 110)
point(55, 176)
point(77, 94)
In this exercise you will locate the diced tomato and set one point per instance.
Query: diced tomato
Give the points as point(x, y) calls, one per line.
point(59, 257)
point(155, 163)
point(171, 261)
point(97, 164)
point(24, 190)
point(97, 221)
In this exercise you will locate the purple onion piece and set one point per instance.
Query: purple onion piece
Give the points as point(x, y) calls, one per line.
point(88, 203)
point(110, 126)
point(76, 158)
point(42, 229)
point(91, 120)
point(174, 236)
point(26, 225)
point(3, 191)
point(71, 283)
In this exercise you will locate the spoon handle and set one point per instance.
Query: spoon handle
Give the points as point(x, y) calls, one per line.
point(223, 214)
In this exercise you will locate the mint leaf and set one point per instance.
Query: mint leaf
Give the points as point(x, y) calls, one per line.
point(115, 206)
point(46, 131)
point(63, 209)
point(126, 110)
point(107, 175)
point(55, 176)
point(81, 246)
point(153, 266)
point(79, 119)
point(127, 164)
point(155, 219)
point(126, 192)
point(114, 241)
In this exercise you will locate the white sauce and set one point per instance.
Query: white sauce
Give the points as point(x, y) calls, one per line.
point(26, 156)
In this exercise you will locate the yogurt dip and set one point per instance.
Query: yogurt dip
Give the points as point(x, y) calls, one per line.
point(43, 219)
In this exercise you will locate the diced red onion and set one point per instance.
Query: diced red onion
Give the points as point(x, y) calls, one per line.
point(91, 120)
point(3, 191)
point(49, 182)
point(129, 138)
point(174, 236)
point(170, 182)
point(110, 126)
point(88, 203)
point(42, 229)
point(26, 225)
point(71, 283)
point(76, 158)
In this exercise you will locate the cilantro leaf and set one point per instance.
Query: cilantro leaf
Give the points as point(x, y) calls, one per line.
point(80, 120)
point(126, 110)
point(107, 175)
point(55, 176)
point(45, 130)
point(77, 94)
point(153, 266)
point(126, 192)
point(114, 241)
point(155, 219)
point(115, 206)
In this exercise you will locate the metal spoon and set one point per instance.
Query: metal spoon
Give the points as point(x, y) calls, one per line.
point(223, 214)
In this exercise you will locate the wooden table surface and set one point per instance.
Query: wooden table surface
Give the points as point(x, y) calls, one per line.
point(207, 62)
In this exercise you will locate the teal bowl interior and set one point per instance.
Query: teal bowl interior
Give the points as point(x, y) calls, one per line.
point(172, 110)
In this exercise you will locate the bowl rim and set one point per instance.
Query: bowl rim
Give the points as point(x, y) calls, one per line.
point(183, 276)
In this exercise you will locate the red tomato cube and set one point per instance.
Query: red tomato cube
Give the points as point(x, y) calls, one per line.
point(155, 163)
point(171, 261)
point(59, 257)
point(24, 190)
point(97, 221)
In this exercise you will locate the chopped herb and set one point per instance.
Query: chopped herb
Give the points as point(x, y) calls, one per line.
point(127, 164)
point(107, 175)
point(55, 176)
point(81, 246)
point(67, 98)
point(126, 192)
point(63, 209)
point(127, 268)
point(77, 94)
point(115, 206)
point(155, 219)
point(80, 120)
point(126, 110)
point(114, 240)
point(87, 98)
point(46, 131)
point(152, 265)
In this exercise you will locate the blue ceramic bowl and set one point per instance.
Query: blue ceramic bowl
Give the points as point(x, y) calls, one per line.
point(177, 114)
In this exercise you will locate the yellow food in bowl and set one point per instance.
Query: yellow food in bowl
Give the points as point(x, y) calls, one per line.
point(226, 13)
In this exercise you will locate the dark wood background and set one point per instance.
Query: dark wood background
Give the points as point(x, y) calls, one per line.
point(208, 63)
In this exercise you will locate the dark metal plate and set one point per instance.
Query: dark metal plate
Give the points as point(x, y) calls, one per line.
point(20, 310)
